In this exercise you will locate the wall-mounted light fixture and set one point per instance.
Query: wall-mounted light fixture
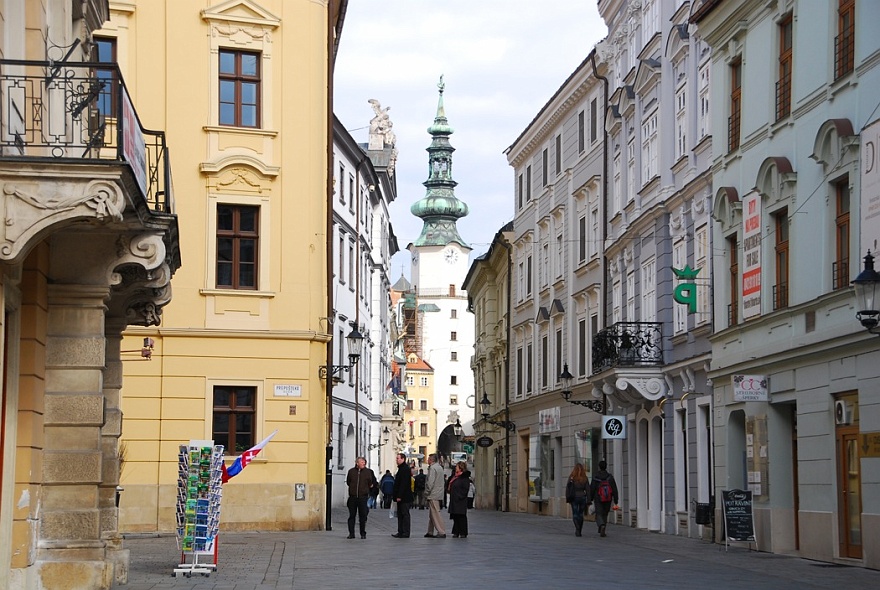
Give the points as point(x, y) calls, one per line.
point(485, 404)
point(355, 341)
point(865, 286)
point(566, 377)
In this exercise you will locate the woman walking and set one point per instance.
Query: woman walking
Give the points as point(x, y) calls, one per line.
point(458, 495)
point(577, 494)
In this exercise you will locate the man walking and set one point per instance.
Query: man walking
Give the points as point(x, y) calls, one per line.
point(603, 492)
point(360, 480)
point(434, 488)
point(403, 495)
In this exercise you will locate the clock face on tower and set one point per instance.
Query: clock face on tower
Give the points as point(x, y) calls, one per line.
point(450, 256)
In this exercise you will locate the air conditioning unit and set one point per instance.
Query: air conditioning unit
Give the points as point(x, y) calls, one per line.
point(842, 412)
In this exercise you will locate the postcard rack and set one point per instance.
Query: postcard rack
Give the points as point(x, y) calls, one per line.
point(199, 489)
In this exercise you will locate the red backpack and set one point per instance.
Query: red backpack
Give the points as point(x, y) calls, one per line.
point(604, 493)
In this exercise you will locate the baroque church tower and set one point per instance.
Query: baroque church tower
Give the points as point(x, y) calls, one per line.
point(439, 266)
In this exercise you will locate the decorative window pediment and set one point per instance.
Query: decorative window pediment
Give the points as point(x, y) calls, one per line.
point(833, 147)
point(241, 12)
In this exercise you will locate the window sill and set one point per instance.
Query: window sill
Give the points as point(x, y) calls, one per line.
point(239, 130)
point(238, 293)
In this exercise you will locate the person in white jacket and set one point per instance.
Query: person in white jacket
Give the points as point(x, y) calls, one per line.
point(434, 495)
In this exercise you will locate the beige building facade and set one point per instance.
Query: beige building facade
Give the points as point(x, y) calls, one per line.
point(246, 88)
point(88, 247)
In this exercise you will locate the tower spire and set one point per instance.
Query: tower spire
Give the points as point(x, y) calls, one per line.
point(439, 208)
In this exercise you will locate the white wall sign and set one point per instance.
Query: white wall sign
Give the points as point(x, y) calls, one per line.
point(548, 420)
point(750, 388)
point(288, 391)
point(870, 189)
point(751, 247)
point(613, 427)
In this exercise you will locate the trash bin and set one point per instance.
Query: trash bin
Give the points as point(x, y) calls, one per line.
point(703, 513)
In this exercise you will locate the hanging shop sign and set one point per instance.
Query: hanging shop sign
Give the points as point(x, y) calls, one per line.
point(686, 292)
point(485, 441)
point(751, 247)
point(613, 427)
point(750, 388)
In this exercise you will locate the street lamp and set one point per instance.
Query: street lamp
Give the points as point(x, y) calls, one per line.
point(865, 286)
point(566, 377)
point(384, 441)
point(354, 342)
point(484, 411)
point(456, 428)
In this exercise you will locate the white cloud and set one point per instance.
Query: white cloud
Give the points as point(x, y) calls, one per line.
point(502, 60)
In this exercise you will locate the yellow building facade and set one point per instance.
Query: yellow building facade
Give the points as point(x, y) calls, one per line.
point(420, 416)
point(246, 97)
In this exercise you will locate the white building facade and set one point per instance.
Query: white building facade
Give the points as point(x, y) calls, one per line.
point(794, 114)
point(362, 244)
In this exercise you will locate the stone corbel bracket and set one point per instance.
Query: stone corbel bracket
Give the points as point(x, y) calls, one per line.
point(141, 279)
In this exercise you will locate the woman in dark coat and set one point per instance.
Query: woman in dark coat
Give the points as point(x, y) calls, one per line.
point(458, 498)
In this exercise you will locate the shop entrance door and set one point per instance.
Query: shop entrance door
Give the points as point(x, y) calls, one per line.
point(850, 486)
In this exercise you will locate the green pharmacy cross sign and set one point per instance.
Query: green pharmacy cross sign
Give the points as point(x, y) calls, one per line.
point(686, 292)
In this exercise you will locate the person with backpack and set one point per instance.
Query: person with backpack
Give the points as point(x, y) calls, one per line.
point(603, 491)
point(386, 484)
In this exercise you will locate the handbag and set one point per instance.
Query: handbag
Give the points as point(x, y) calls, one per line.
point(569, 492)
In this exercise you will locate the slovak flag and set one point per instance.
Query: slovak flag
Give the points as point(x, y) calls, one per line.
point(242, 460)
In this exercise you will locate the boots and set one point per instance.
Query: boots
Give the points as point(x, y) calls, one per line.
point(577, 528)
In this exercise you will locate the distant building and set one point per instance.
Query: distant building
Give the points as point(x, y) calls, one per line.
point(443, 327)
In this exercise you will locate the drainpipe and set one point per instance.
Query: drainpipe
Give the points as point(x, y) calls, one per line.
point(507, 247)
point(328, 235)
point(604, 259)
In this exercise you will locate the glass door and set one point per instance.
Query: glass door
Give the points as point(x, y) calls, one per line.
point(850, 486)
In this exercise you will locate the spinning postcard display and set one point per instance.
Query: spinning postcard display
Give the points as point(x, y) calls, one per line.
point(199, 488)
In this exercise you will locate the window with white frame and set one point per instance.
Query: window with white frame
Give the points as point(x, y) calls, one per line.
point(631, 170)
point(593, 240)
point(544, 271)
point(651, 17)
point(560, 255)
point(352, 264)
point(616, 301)
point(615, 193)
point(679, 311)
point(521, 281)
point(530, 366)
point(649, 147)
point(681, 121)
point(410, 380)
point(649, 295)
point(703, 114)
point(594, 114)
point(701, 260)
point(635, 42)
point(423, 381)
point(582, 239)
point(630, 296)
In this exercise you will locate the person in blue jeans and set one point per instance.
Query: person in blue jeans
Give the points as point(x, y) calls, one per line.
point(577, 493)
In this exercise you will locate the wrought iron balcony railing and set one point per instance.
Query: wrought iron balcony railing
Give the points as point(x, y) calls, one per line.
point(628, 344)
point(80, 112)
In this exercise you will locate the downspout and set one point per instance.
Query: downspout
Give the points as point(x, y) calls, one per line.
point(604, 260)
point(328, 236)
point(507, 247)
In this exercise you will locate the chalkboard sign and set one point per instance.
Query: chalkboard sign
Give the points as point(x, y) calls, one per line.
point(739, 522)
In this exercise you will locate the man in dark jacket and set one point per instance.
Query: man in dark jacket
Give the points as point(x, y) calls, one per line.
point(602, 495)
point(403, 495)
point(360, 480)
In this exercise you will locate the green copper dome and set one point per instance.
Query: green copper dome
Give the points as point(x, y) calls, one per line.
point(439, 208)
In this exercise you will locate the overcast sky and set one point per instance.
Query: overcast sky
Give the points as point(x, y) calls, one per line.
point(502, 60)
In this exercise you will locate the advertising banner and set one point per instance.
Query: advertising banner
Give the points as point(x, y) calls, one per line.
point(751, 248)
